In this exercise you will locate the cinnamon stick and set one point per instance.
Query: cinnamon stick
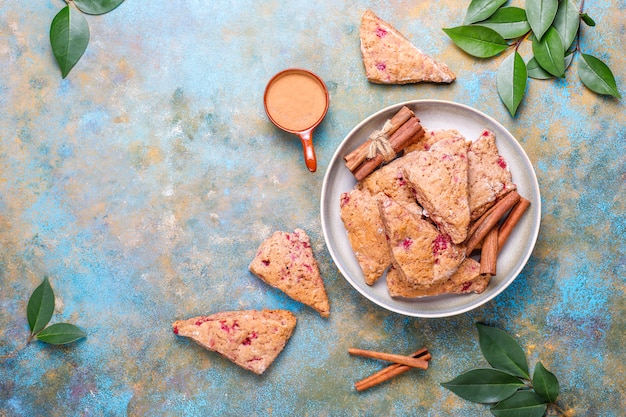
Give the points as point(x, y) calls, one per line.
point(358, 156)
point(409, 132)
point(389, 372)
point(491, 220)
point(511, 221)
point(390, 357)
point(489, 253)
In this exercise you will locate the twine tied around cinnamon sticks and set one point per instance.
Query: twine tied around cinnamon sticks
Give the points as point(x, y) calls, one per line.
point(379, 143)
point(386, 144)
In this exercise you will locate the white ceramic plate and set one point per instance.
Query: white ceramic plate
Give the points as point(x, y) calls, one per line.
point(433, 114)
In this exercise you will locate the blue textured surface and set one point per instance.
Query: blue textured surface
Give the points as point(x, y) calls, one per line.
point(144, 182)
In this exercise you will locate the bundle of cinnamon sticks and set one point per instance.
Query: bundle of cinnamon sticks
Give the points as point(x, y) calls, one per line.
point(401, 364)
point(490, 235)
point(398, 132)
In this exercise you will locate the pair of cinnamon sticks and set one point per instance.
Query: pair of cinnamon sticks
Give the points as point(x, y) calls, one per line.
point(487, 232)
point(401, 364)
point(400, 131)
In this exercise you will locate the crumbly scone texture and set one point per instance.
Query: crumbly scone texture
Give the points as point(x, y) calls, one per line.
point(390, 58)
point(466, 279)
point(430, 138)
point(250, 338)
point(418, 250)
point(389, 179)
point(443, 167)
point(489, 177)
point(366, 233)
point(285, 261)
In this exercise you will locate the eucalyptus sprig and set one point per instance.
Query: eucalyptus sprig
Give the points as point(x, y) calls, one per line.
point(508, 385)
point(39, 312)
point(553, 27)
point(69, 31)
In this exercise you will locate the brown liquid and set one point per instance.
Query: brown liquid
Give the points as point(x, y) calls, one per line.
point(296, 101)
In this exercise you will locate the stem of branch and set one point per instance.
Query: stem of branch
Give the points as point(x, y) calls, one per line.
point(521, 39)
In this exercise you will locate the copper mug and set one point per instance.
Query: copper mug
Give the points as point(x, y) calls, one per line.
point(296, 100)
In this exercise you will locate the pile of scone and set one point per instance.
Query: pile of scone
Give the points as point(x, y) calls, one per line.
point(410, 218)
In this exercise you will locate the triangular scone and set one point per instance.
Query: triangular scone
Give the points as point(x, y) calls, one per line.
point(418, 250)
point(250, 338)
point(390, 58)
point(430, 138)
point(285, 261)
point(389, 179)
point(366, 233)
point(439, 180)
point(466, 279)
point(488, 174)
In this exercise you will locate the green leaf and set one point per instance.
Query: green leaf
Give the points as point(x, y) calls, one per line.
point(484, 385)
point(40, 307)
point(521, 404)
point(567, 21)
point(535, 71)
point(511, 85)
point(69, 36)
point(477, 41)
point(597, 76)
point(550, 54)
point(500, 349)
point(509, 22)
point(540, 15)
point(587, 19)
point(569, 57)
point(60, 334)
point(545, 383)
point(481, 9)
point(97, 6)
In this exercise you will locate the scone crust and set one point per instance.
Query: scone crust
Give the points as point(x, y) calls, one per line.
point(466, 279)
point(443, 167)
point(418, 250)
point(250, 338)
point(389, 180)
point(285, 261)
point(366, 233)
point(390, 58)
point(489, 177)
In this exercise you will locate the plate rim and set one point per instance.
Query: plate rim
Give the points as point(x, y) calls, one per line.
point(470, 306)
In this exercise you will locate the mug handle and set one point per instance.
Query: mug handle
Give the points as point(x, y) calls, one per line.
point(306, 138)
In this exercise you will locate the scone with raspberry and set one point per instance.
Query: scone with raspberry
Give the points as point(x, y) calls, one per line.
point(488, 174)
point(439, 179)
point(250, 338)
point(466, 279)
point(366, 232)
point(390, 58)
point(285, 261)
point(418, 250)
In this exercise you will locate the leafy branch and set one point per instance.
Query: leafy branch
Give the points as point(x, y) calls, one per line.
point(39, 312)
point(508, 385)
point(554, 29)
point(69, 31)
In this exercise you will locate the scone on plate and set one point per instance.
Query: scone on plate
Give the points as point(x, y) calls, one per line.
point(390, 58)
point(366, 233)
point(438, 178)
point(489, 177)
point(430, 138)
point(285, 261)
point(250, 338)
point(418, 250)
point(389, 179)
point(466, 279)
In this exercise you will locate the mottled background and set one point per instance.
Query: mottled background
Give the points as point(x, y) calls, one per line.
point(144, 182)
